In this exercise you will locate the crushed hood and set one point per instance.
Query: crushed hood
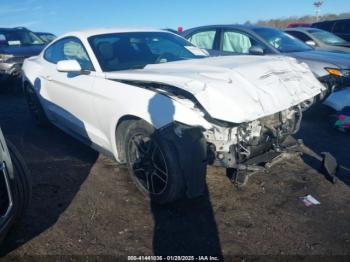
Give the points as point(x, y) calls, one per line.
point(234, 88)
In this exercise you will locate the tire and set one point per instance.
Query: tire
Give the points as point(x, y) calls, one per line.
point(20, 187)
point(35, 107)
point(21, 184)
point(153, 163)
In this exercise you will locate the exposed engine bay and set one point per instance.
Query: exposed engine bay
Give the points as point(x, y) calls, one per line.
point(231, 146)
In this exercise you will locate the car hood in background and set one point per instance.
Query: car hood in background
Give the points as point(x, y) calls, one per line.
point(343, 45)
point(340, 59)
point(234, 88)
point(22, 51)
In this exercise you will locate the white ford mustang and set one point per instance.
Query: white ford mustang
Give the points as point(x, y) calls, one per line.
point(152, 100)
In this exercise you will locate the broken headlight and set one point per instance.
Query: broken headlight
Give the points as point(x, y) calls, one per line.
point(5, 58)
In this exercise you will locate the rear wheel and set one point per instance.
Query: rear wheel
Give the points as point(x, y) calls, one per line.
point(35, 107)
point(153, 163)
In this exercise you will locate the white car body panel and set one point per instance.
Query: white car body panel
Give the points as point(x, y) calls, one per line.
point(234, 89)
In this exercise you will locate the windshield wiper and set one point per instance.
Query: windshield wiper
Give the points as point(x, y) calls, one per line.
point(137, 66)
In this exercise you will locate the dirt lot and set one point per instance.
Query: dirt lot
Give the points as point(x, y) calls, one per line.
point(85, 204)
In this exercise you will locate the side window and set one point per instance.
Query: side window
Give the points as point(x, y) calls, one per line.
point(301, 36)
point(340, 27)
point(203, 39)
point(68, 49)
point(329, 26)
point(74, 50)
point(324, 25)
point(237, 42)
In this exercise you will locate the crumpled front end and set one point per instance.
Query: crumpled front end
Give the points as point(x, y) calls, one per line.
point(252, 103)
point(232, 146)
point(233, 89)
point(246, 93)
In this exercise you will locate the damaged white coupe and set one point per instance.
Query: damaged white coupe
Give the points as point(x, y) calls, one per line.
point(150, 99)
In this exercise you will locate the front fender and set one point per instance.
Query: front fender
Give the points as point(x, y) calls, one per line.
point(159, 111)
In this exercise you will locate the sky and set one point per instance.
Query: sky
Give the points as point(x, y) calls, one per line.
point(69, 15)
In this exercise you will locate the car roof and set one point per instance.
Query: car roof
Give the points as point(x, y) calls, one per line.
point(238, 26)
point(44, 33)
point(333, 20)
point(6, 29)
point(101, 31)
point(247, 28)
point(303, 29)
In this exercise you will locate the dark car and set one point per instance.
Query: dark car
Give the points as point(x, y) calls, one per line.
point(15, 189)
point(320, 39)
point(339, 27)
point(331, 68)
point(17, 44)
point(298, 24)
point(46, 37)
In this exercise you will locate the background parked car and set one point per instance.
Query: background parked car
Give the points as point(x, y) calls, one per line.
point(15, 187)
point(340, 27)
point(16, 44)
point(320, 39)
point(298, 24)
point(46, 37)
point(332, 69)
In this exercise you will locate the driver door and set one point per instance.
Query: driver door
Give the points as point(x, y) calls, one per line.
point(70, 94)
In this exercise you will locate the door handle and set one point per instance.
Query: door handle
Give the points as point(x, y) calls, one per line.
point(48, 78)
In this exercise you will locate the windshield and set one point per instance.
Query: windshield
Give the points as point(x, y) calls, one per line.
point(327, 37)
point(47, 38)
point(283, 42)
point(122, 51)
point(19, 38)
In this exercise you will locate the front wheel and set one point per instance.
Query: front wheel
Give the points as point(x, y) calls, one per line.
point(153, 163)
point(15, 187)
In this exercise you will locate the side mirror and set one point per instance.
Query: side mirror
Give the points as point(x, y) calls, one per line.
point(68, 66)
point(256, 50)
point(311, 43)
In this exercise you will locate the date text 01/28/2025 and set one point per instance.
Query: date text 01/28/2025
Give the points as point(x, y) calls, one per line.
point(173, 258)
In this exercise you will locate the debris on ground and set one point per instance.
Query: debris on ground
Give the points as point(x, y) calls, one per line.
point(343, 120)
point(309, 200)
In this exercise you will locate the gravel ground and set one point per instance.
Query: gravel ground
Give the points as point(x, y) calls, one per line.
point(86, 205)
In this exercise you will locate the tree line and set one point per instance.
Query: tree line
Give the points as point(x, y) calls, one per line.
point(283, 22)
